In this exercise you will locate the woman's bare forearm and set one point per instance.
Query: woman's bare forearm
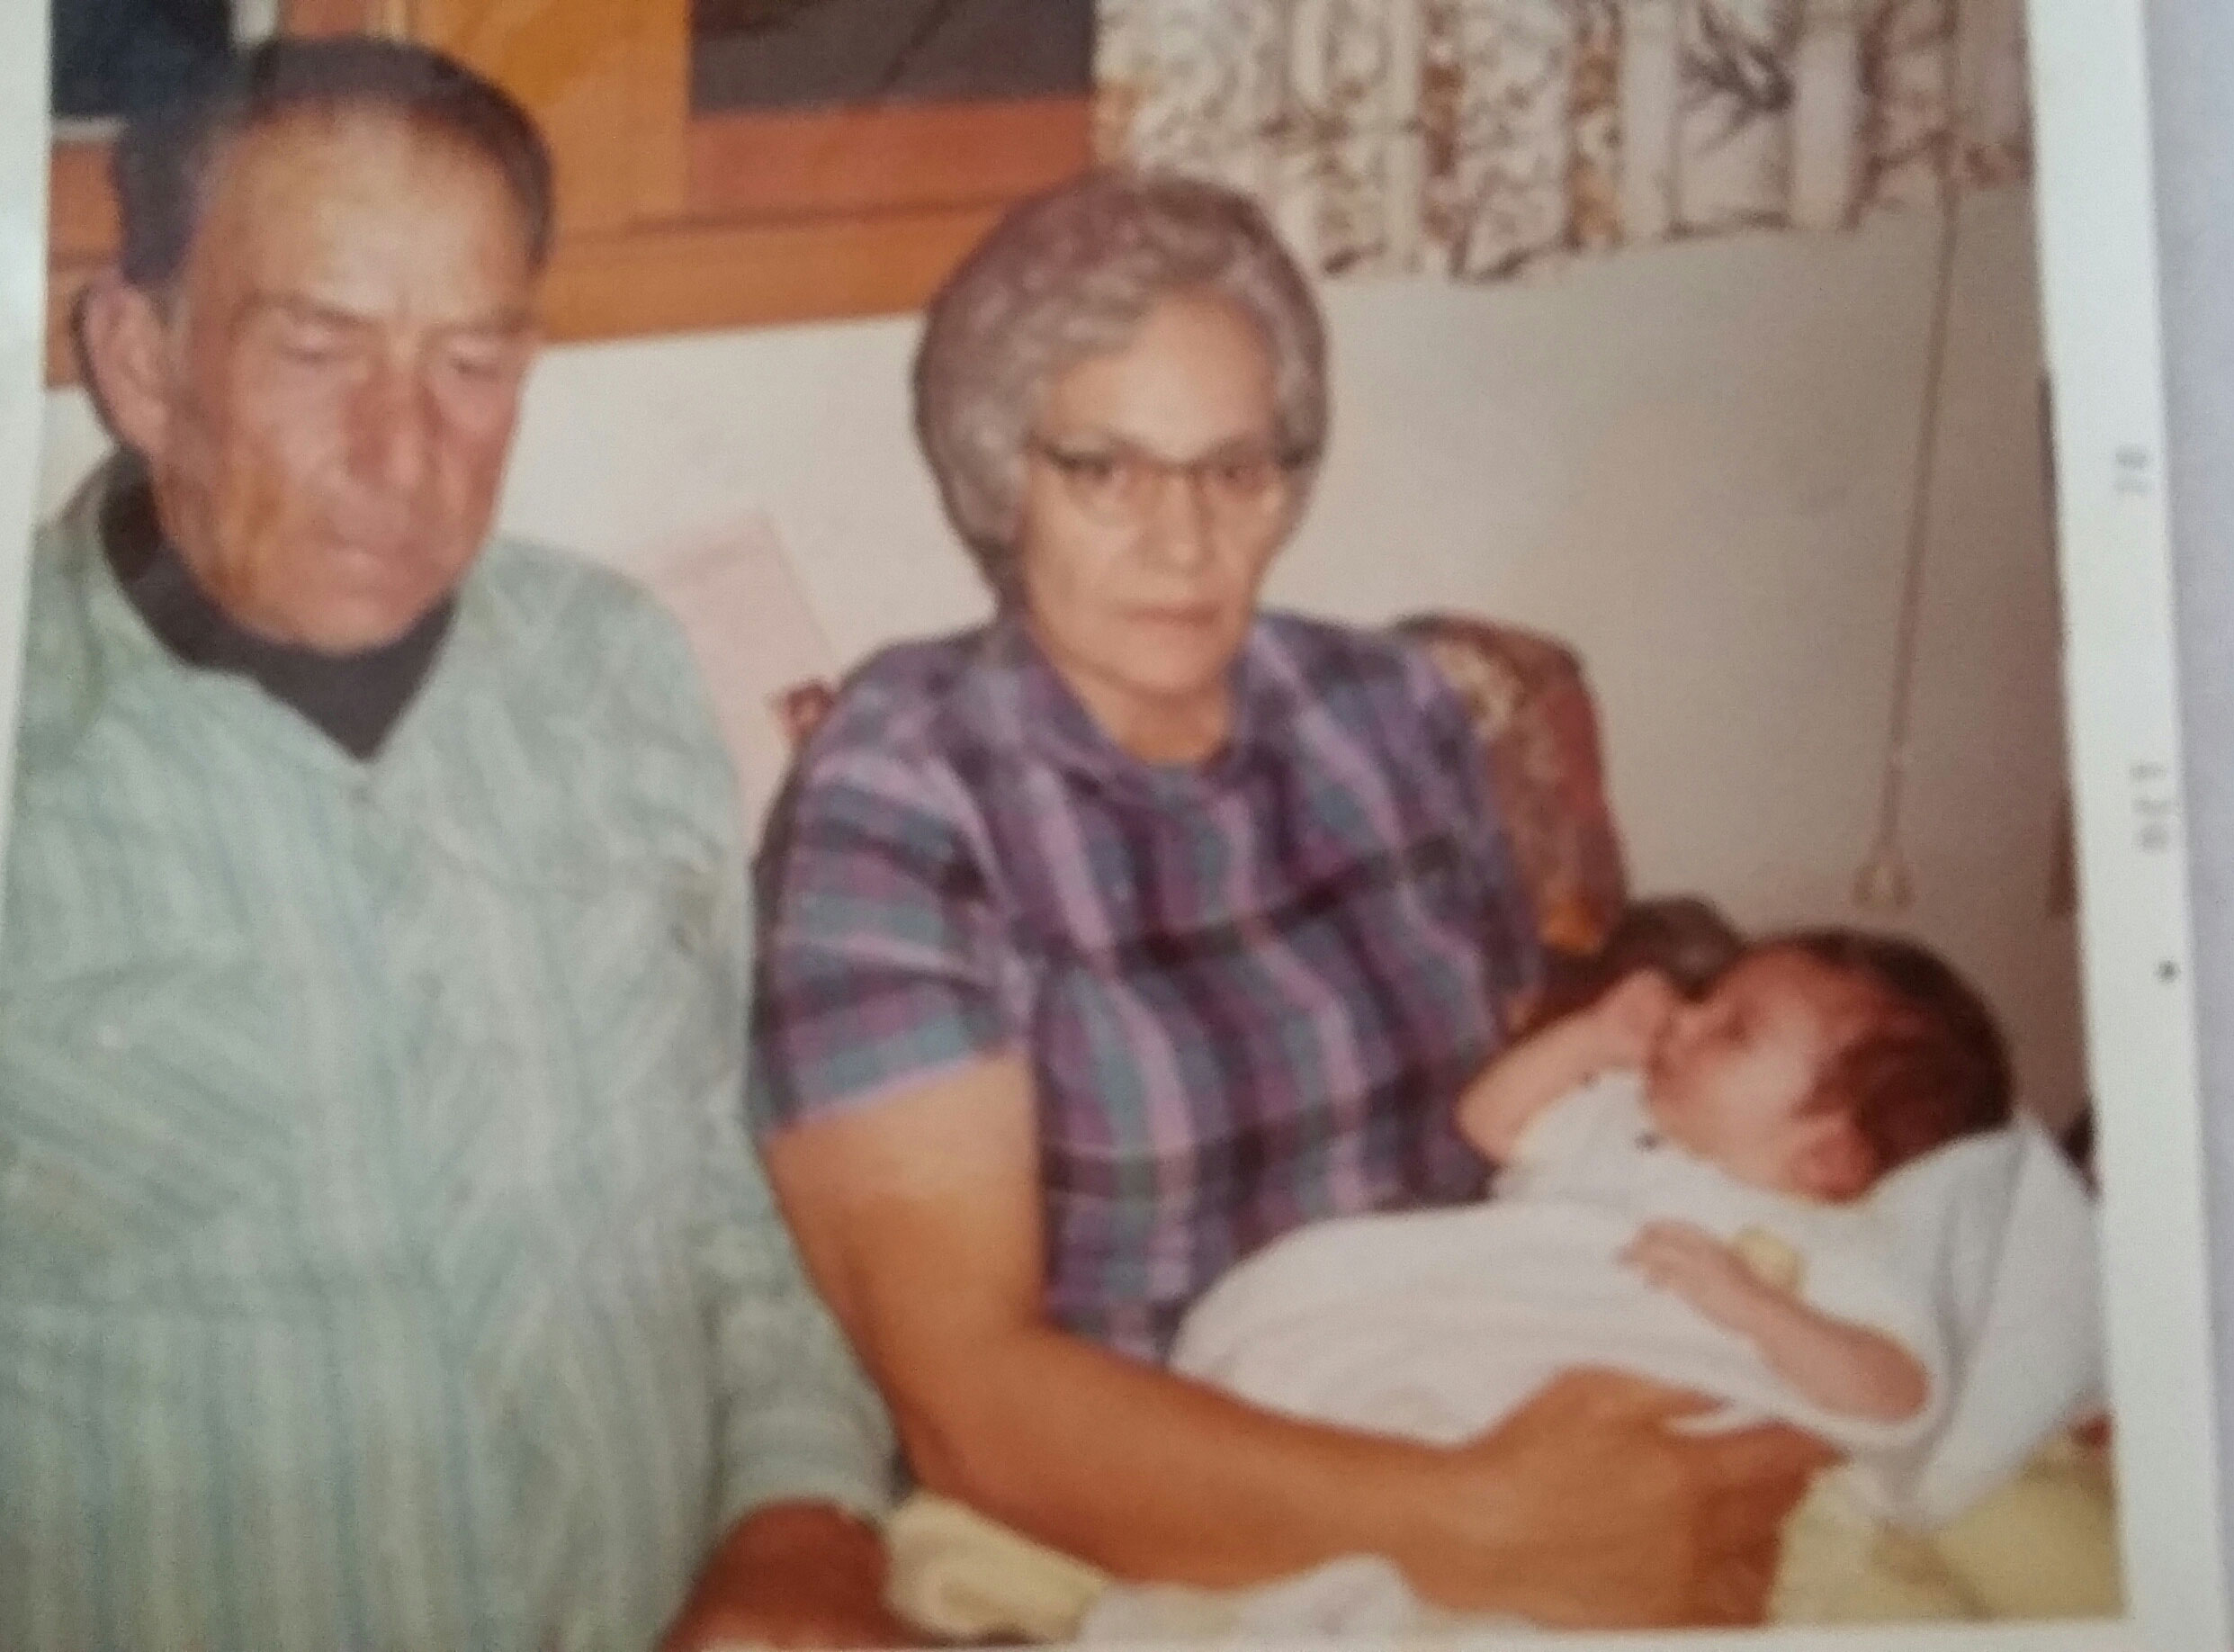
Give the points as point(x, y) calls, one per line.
point(1160, 1477)
point(920, 1221)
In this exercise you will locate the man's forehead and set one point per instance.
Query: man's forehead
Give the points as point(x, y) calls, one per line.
point(310, 308)
point(360, 211)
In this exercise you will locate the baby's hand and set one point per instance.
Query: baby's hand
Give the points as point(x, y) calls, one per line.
point(1710, 1275)
point(1631, 1015)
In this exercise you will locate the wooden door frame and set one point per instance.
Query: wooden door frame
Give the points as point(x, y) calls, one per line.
point(669, 222)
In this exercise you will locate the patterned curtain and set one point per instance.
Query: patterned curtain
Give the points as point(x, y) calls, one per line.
point(1481, 137)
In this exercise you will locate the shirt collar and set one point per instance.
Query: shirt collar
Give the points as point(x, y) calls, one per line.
point(354, 699)
point(113, 647)
point(1048, 718)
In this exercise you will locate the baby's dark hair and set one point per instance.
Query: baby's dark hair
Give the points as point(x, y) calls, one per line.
point(1685, 938)
point(1930, 1069)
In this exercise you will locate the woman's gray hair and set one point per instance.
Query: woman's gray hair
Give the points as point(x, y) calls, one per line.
point(1072, 273)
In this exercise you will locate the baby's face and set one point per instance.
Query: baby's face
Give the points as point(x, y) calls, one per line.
point(1731, 1076)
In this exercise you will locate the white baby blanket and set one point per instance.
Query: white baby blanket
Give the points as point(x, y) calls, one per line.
point(1434, 1325)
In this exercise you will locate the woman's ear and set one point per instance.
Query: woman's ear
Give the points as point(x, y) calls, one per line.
point(1834, 1161)
point(124, 355)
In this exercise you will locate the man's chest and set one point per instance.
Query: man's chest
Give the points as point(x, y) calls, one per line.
point(298, 1017)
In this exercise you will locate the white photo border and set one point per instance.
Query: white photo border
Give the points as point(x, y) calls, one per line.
point(2103, 334)
point(2191, 108)
point(23, 99)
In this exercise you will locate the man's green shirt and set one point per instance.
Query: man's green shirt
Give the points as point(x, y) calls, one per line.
point(382, 1260)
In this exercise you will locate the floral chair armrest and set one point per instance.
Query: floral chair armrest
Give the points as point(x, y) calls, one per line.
point(1539, 730)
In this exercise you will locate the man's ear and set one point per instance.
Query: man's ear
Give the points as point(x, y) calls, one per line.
point(124, 357)
point(1834, 1161)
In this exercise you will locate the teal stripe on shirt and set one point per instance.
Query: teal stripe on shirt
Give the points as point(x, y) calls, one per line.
point(382, 1262)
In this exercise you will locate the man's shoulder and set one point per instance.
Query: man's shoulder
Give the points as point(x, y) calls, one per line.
point(60, 682)
point(65, 554)
point(532, 587)
point(557, 623)
point(56, 564)
point(590, 658)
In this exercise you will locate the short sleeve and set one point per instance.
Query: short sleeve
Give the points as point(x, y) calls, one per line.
point(878, 963)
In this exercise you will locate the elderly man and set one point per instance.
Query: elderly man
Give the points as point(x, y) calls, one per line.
point(381, 1263)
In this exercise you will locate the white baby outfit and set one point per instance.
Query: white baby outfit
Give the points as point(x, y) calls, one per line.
point(1978, 1259)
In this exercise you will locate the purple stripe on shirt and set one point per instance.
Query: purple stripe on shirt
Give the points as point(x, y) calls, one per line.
point(1249, 992)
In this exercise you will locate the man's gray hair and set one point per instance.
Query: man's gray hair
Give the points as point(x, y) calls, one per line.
point(1072, 273)
point(163, 163)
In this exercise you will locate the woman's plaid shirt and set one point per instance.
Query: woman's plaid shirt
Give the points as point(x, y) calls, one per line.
point(1250, 991)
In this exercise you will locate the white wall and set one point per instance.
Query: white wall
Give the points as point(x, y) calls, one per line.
point(1694, 464)
point(1691, 462)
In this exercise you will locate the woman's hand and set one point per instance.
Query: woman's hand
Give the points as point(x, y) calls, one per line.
point(790, 1575)
point(1584, 1509)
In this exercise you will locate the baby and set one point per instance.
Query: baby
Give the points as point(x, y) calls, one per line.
point(1793, 1194)
point(1738, 1195)
point(1816, 1065)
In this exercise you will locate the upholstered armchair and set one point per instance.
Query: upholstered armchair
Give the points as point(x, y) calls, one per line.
point(1539, 730)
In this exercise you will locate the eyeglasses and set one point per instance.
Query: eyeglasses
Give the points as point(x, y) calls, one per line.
point(1119, 483)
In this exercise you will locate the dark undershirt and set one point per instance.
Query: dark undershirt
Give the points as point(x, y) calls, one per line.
point(353, 699)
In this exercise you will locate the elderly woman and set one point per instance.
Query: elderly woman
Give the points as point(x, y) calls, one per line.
point(1105, 943)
